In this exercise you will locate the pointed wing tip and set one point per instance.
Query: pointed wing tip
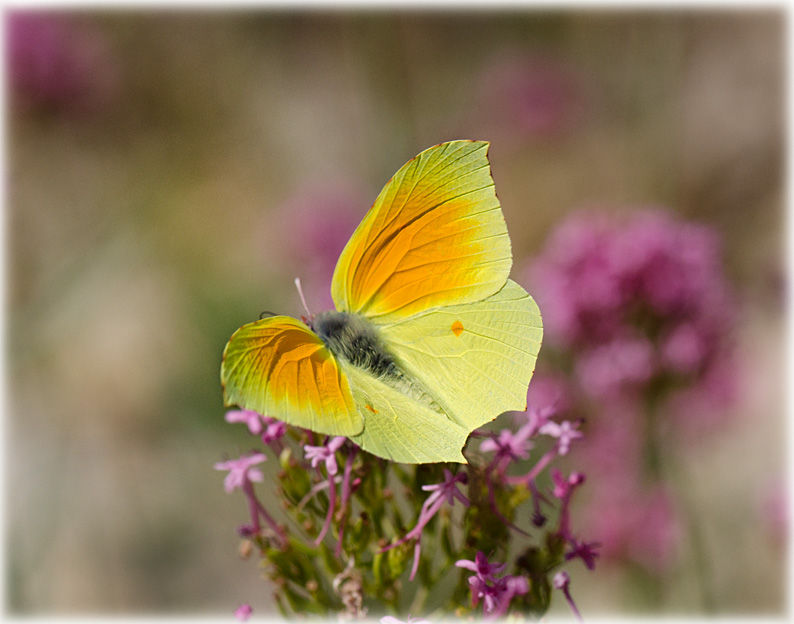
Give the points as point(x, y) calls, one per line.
point(478, 142)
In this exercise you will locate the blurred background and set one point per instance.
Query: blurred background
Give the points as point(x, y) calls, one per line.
point(170, 173)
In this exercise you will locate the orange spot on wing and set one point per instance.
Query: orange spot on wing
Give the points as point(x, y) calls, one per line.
point(457, 328)
point(371, 409)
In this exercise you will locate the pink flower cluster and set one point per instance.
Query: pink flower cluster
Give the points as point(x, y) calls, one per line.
point(56, 63)
point(495, 592)
point(333, 460)
point(640, 301)
point(639, 319)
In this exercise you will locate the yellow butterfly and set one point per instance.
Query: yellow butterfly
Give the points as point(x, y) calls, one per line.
point(429, 340)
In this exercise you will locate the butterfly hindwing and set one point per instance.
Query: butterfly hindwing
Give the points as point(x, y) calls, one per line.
point(434, 236)
point(475, 359)
point(279, 367)
point(401, 428)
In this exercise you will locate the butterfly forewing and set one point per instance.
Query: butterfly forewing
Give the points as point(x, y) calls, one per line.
point(434, 236)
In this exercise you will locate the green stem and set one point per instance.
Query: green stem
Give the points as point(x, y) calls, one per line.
point(700, 559)
point(661, 470)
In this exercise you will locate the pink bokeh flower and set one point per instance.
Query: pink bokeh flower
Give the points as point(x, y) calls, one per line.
point(599, 275)
point(252, 420)
point(313, 228)
point(243, 612)
point(641, 317)
point(528, 97)
point(57, 63)
point(638, 525)
point(636, 301)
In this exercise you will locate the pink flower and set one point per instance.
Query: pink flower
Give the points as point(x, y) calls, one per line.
point(253, 420)
point(614, 366)
point(563, 489)
point(565, 432)
point(270, 429)
point(586, 551)
point(507, 445)
point(562, 582)
point(496, 593)
point(602, 279)
point(503, 593)
point(325, 454)
point(445, 492)
point(56, 63)
point(241, 471)
point(639, 303)
point(274, 430)
point(243, 612)
point(684, 348)
point(480, 566)
point(242, 476)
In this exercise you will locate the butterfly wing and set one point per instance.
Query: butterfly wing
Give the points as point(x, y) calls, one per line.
point(475, 359)
point(434, 236)
point(400, 428)
point(280, 368)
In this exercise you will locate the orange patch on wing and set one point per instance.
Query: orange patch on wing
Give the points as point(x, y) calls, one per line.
point(457, 328)
point(278, 366)
point(371, 409)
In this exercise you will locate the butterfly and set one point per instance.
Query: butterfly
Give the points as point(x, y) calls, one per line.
point(429, 340)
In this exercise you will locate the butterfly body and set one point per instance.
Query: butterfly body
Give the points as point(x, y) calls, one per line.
point(352, 338)
point(356, 342)
point(429, 339)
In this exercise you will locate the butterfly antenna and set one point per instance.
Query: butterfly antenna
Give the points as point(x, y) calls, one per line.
point(303, 299)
